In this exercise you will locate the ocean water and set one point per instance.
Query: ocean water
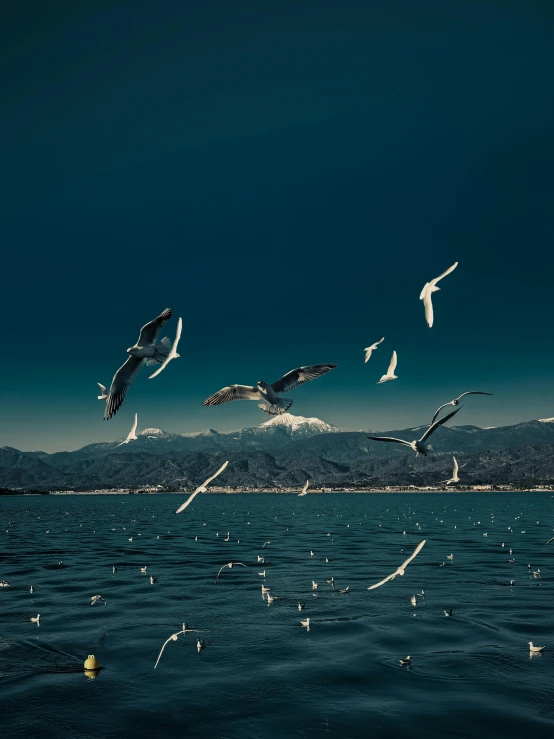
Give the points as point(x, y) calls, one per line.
point(261, 674)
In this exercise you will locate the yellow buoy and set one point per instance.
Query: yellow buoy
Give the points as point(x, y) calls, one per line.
point(91, 663)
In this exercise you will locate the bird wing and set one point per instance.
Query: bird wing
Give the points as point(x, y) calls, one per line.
point(428, 304)
point(416, 551)
point(219, 573)
point(101, 387)
point(548, 542)
point(150, 331)
point(189, 500)
point(378, 584)
point(473, 392)
point(437, 413)
point(220, 470)
point(389, 438)
point(434, 426)
point(424, 290)
point(121, 382)
point(173, 351)
point(133, 430)
point(173, 637)
point(447, 272)
point(393, 363)
point(233, 392)
point(455, 472)
point(299, 376)
point(305, 488)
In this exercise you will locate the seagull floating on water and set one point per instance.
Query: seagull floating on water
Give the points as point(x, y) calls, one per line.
point(268, 393)
point(390, 372)
point(418, 445)
point(305, 623)
point(448, 613)
point(145, 350)
point(202, 488)
point(97, 599)
point(406, 662)
point(370, 349)
point(132, 435)
point(36, 620)
point(533, 648)
point(402, 569)
point(428, 289)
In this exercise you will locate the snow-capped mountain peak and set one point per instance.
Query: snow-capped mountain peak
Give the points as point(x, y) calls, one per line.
point(158, 433)
point(546, 420)
point(294, 424)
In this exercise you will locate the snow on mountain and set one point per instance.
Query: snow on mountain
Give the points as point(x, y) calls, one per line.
point(156, 433)
point(295, 424)
point(546, 420)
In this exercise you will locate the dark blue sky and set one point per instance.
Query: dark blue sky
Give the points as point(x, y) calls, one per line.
point(286, 176)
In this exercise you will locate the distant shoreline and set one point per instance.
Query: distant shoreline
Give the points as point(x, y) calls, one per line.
point(377, 491)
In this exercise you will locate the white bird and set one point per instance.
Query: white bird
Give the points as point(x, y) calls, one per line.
point(532, 648)
point(265, 590)
point(267, 542)
point(370, 349)
point(202, 488)
point(143, 569)
point(4, 584)
point(418, 445)
point(270, 599)
point(314, 585)
point(449, 556)
point(301, 606)
point(268, 393)
point(428, 289)
point(104, 392)
point(345, 590)
point(413, 600)
point(131, 436)
point(456, 401)
point(262, 573)
point(200, 645)
point(172, 352)
point(304, 489)
point(390, 372)
point(548, 542)
point(261, 560)
point(406, 662)
point(400, 570)
point(152, 579)
point(305, 623)
point(230, 566)
point(173, 637)
point(146, 349)
point(31, 589)
point(454, 477)
point(448, 613)
point(97, 598)
point(36, 620)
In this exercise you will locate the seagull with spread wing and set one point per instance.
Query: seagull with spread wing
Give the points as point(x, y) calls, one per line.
point(428, 289)
point(132, 435)
point(304, 489)
point(456, 401)
point(454, 477)
point(390, 372)
point(145, 350)
point(370, 349)
point(402, 569)
point(419, 444)
point(173, 637)
point(230, 566)
point(104, 392)
point(172, 352)
point(268, 393)
point(202, 488)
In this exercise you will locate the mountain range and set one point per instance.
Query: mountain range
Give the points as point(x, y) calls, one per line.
point(286, 451)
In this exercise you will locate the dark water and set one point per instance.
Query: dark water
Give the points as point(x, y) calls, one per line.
point(261, 674)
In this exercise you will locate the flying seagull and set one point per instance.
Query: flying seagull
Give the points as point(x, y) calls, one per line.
point(97, 598)
point(132, 435)
point(430, 288)
point(104, 392)
point(454, 477)
point(304, 489)
point(146, 349)
point(230, 566)
point(173, 637)
point(402, 569)
point(390, 372)
point(202, 488)
point(173, 351)
point(456, 401)
point(418, 445)
point(548, 542)
point(268, 393)
point(370, 349)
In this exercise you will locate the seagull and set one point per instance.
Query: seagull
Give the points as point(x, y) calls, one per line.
point(104, 392)
point(301, 606)
point(202, 488)
point(370, 349)
point(36, 620)
point(413, 601)
point(172, 352)
point(31, 589)
point(173, 637)
point(448, 613)
point(200, 645)
point(406, 662)
point(390, 372)
point(131, 436)
point(262, 573)
point(532, 648)
point(143, 569)
point(304, 489)
point(456, 401)
point(449, 556)
point(6, 584)
point(267, 542)
point(270, 599)
point(145, 349)
point(314, 585)
point(548, 542)
point(305, 623)
point(454, 477)
point(400, 570)
point(152, 579)
point(265, 590)
point(418, 445)
point(95, 598)
point(345, 590)
point(428, 289)
point(261, 560)
point(230, 566)
point(272, 403)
